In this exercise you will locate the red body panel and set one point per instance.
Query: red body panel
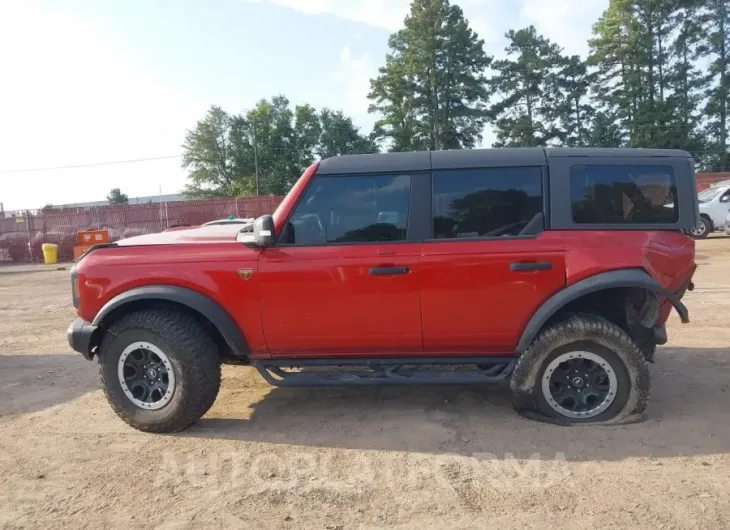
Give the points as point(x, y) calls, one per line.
point(210, 269)
point(322, 299)
point(458, 297)
point(473, 303)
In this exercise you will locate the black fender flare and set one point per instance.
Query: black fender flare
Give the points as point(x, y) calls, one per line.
point(607, 280)
point(194, 300)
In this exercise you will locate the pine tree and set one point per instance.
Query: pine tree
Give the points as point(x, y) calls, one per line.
point(717, 50)
point(613, 56)
point(631, 53)
point(431, 91)
point(685, 78)
point(574, 111)
point(524, 114)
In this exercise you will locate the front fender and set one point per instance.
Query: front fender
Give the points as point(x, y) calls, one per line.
point(198, 302)
point(624, 278)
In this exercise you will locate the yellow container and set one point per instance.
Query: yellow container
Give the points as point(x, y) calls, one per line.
point(50, 253)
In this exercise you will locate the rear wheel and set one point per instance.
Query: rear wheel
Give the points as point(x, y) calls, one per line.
point(582, 370)
point(160, 370)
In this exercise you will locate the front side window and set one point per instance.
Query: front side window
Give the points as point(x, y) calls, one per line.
point(485, 202)
point(623, 194)
point(351, 209)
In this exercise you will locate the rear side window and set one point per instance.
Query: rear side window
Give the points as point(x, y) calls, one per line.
point(623, 194)
point(485, 202)
point(351, 209)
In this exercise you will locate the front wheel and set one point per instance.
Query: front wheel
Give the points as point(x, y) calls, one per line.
point(583, 369)
point(159, 370)
point(703, 229)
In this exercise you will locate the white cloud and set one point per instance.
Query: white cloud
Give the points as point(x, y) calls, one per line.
point(353, 76)
point(388, 14)
point(566, 22)
point(70, 97)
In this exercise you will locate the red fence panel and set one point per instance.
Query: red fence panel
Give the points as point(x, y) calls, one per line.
point(21, 237)
point(705, 180)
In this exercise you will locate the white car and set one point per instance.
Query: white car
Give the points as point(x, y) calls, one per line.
point(727, 223)
point(714, 207)
point(230, 221)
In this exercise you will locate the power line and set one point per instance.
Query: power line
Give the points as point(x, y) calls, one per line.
point(96, 164)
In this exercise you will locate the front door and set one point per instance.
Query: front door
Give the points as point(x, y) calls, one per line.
point(488, 267)
point(343, 277)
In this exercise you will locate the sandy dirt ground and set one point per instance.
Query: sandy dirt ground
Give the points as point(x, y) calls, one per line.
point(358, 458)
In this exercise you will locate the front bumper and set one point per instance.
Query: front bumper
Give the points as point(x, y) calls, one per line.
point(79, 335)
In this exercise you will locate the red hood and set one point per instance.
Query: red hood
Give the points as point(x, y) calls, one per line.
point(196, 235)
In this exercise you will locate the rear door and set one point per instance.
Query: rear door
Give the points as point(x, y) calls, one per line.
point(488, 266)
point(344, 277)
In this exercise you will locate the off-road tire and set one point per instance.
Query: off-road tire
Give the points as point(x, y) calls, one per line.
point(598, 336)
point(195, 361)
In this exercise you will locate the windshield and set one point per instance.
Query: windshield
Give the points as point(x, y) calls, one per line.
point(709, 194)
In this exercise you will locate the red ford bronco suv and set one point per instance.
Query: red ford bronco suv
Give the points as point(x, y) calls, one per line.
point(551, 270)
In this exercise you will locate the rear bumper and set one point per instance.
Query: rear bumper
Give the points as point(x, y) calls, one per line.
point(79, 335)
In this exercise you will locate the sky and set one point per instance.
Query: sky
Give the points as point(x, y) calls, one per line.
point(90, 82)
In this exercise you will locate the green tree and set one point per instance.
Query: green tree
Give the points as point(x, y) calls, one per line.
point(212, 156)
point(614, 59)
point(117, 197)
point(224, 153)
point(605, 131)
point(717, 51)
point(573, 111)
point(644, 54)
point(272, 124)
point(339, 136)
point(432, 91)
point(394, 99)
point(307, 132)
point(524, 81)
point(685, 78)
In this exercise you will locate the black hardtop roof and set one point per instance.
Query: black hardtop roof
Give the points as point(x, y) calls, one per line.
point(477, 158)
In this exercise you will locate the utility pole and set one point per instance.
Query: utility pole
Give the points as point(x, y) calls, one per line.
point(255, 156)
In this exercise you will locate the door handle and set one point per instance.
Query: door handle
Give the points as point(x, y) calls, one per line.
point(529, 267)
point(387, 271)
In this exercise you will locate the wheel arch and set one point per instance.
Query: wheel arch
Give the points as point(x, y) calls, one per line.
point(612, 281)
point(208, 312)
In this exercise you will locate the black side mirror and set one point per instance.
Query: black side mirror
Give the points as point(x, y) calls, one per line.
point(264, 234)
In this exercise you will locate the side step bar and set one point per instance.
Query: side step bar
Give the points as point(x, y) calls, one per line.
point(368, 372)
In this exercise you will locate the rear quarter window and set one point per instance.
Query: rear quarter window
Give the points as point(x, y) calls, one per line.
point(623, 194)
